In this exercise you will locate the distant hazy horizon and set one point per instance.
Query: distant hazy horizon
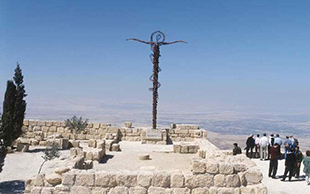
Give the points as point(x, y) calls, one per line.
point(245, 67)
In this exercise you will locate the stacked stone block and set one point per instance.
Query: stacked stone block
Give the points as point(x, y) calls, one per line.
point(219, 179)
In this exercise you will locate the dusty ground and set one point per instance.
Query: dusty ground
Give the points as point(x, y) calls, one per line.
point(162, 158)
point(275, 186)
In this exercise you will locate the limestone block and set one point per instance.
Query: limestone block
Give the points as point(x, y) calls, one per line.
point(203, 180)
point(225, 191)
point(128, 124)
point(181, 131)
point(200, 191)
point(213, 190)
point(52, 129)
point(39, 180)
point(99, 190)
point(233, 180)
point(68, 179)
point(43, 143)
point(81, 136)
point(45, 128)
point(137, 190)
point(119, 190)
point(25, 148)
point(237, 191)
point(220, 180)
point(62, 188)
point(105, 179)
point(47, 190)
point(226, 168)
point(212, 168)
point(101, 131)
point(184, 149)
point(176, 148)
point(85, 179)
point(96, 125)
point(88, 136)
point(145, 180)
point(177, 180)
point(26, 122)
point(261, 189)
point(128, 180)
point(97, 155)
point(239, 167)
point(158, 190)
point(75, 143)
point(199, 167)
point(115, 148)
point(32, 123)
point(192, 149)
point(242, 178)
point(53, 179)
point(89, 155)
point(189, 180)
point(161, 180)
point(248, 190)
point(181, 191)
point(100, 144)
point(253, 177)
point(80, 190)
point(144, 157)
point(90, 125)
point(36, 190)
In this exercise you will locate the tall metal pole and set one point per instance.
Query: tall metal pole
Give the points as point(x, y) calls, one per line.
point(157, 39)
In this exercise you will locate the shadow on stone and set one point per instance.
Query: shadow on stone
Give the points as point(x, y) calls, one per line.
point(36, 150)
point(15, 186)
point(106, 158)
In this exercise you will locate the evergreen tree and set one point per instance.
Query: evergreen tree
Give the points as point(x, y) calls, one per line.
point(6, 132)
point(20, 103)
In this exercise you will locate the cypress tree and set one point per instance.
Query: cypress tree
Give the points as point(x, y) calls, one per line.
point(20, 103)
point(6, 132)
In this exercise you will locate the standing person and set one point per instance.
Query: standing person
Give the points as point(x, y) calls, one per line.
point(307, 166)
point(257, 147)
point(263, 146)
point(289, 164)
point(299, 158)
point(287, 145)
point(274, 156)
point(278, 140)
point(237, 149)
point(271, 143)
point(250, 144)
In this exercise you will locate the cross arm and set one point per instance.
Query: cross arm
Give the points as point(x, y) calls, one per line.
point(177, 41)
point(138, 40)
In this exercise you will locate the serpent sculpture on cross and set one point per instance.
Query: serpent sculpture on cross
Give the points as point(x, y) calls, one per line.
point(157, 39)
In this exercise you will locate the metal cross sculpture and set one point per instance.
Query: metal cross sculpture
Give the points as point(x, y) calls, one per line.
point(157, 39)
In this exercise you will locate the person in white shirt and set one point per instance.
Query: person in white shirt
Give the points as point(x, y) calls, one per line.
point(257, 147)
point(264, 142)
point(278, 140)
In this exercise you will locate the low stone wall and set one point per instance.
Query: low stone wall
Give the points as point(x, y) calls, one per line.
point(207, 178)
point(37, 131)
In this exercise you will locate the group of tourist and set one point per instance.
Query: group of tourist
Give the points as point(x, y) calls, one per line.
point(269, 148)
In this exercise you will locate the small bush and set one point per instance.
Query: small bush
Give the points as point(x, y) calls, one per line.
point(76, 124)
point(51, 152)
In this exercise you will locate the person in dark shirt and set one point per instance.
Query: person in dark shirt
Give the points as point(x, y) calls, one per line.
point(250, 144)
point(299, 158)
point(274, 156)
point(289, 164)
point(237, 149)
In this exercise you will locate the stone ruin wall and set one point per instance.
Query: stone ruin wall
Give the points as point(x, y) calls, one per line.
point(206, 178)
point(37, 131)
point(211, 173)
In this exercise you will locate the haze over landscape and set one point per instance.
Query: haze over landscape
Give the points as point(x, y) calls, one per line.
point(244, 70)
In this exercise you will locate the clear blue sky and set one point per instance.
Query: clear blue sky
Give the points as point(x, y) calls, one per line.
point(240, 54)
